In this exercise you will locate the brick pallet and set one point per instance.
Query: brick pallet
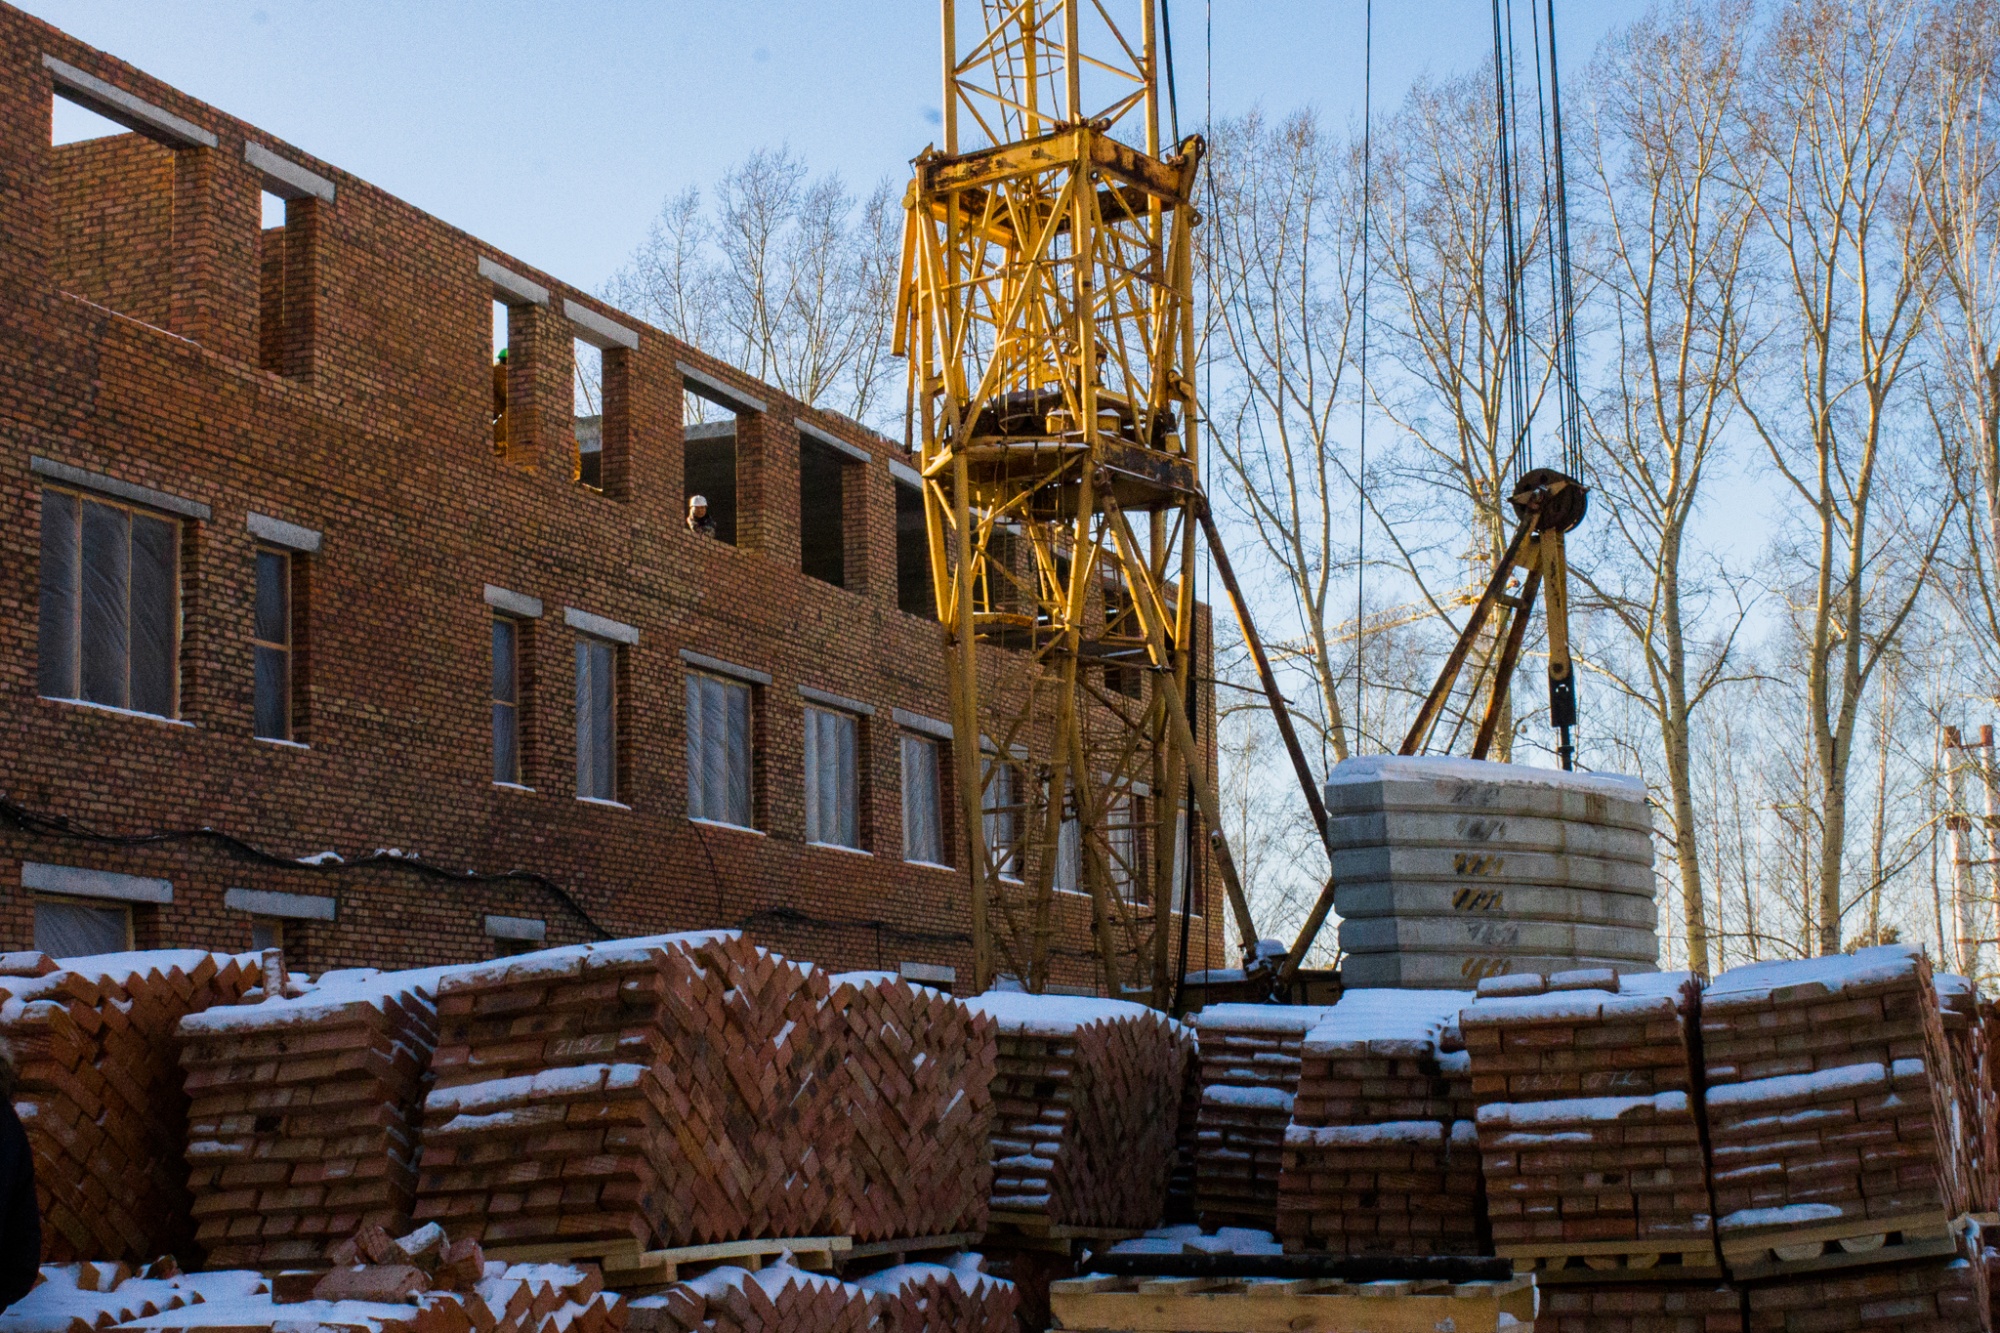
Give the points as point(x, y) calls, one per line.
point(1248, 1059)
point(1588, 1127)
point(778, 1299)
point(1641, 1307)
point(303, 1113)
point(943, 1298)
point(918, 1073)
point(1828, 1107)
point(1964, 1019)
point(1379, 1157)
point(99, 1091)
point(1085, 1102)
point(1944, 1296)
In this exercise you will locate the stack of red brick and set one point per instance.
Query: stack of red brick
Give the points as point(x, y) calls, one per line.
point(1967, 1033)
point(1829, 1089)
point(1085, 1102)
point(303, 1115)
point(909, 1298)
point(1632, 1307)
point(100, 1092)
point(1248, 1057)
point(1588, 1129)
point(1949, 1295)
point(1380, 1156)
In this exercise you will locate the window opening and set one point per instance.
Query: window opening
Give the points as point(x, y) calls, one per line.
point(267, 932)
point(709, 432)
point(923, 803)
point(70, 928)
point(110, 604)
point(914, 593)
point(833, 798)
point(596, 719)
point(271, 645)
point(718, 750)
point(1069, 847)
point(514, 948)
point(997, 800)
point(1122, 632)
point(498, 374)
point(271, 284)
point(822, 512)
point(1177, 864)
point(1121, 834)
point(111, 212)
point(506, 700)
point(587, 407)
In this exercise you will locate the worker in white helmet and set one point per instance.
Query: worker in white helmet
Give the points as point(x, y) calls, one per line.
point(698, 520)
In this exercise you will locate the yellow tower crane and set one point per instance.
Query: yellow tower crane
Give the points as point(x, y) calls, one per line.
point(1046, 311)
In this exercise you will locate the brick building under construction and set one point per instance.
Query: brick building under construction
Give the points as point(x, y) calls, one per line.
point(295, 618)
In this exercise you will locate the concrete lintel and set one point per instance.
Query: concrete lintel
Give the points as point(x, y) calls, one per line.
point(80, 883)
point(514, 603)
point(287, 180)
point(832, 700)
point(917, 722)
point(704, 662)
point(529, 929)
point(596, 330)
point(512, 287)
point(929, 974)
point(280, 533)
point(121, 490)
point(116, 104)
point(709, 387)
point(601, 627)
point(832, 441)
point(906, 474)
point(268, 902)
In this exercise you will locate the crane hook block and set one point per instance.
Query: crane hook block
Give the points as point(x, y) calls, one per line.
point(1561, 500)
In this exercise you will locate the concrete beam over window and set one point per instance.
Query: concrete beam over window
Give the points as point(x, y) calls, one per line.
point(831, 700)
point(707, 386)
point(531, 930)
point(917, 722)
point(512, 288)
point(121, 490)
point(287, 180)
point(118, 105)
point(600, 627)
point(77, 882)
point(514, 603)
point(832, 441)
point(280, 533)
point(293, 906)
point(722, 668)
point(596, 330)
point(906, 474)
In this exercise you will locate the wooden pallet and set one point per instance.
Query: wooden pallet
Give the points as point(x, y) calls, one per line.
point(1846, 1243)
point(1034, 1231)
point(1278, 1305)
point(627, 1267)
point(1616, 1261)
point(901, 1249)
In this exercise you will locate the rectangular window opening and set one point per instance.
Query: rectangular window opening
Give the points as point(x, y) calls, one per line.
point(76, 928)
point(596, 719)
point(709, 456)
point(1123, 643)
point(587, 398)
point(833, 795)
point(271, 645)
point(718, 750)
point(823, 485)
point(914, 592)
point(923, 801)
point(497, 373)
point(506, 700)
point(111, 213)
point(271, 284)
point(267, 932)
point(109, 629)
point(1001, 817)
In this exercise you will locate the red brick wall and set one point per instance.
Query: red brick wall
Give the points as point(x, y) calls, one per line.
point(112, 209)
point(372, 427)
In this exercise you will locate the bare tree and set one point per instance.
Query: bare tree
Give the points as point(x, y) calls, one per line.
point(1830, 136)
point(1283, 246)
point(1674, 221)
point(786, 276)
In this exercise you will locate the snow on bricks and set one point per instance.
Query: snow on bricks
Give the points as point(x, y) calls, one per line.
point(303, 1114)
point(100, 1094)
point(1380, 1157)
point(958, 1297)
point(918, 1079)
point(908, 1298)
point(1829, 1104)
point(1249, 1067)
point(1085, 1097)
point(1588, 1129)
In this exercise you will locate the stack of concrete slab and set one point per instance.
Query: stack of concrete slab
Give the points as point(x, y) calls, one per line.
point(1452, 870)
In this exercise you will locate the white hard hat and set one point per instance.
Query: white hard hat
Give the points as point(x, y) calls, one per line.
point(697, 502)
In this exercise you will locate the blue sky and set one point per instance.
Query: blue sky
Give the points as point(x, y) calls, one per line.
point(554, 131)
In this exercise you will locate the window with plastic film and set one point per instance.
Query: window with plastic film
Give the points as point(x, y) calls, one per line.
point(833, 797)
point(718, 750)
point(1001, 816)
point(596, 719)
point(271, 645)
point(110, 604)
point(506, 701)
point(923, 804)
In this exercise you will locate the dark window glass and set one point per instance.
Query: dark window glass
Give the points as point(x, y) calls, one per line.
point(271, 643)
point(506, 701)
point(913, 554)
point(110, 604)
